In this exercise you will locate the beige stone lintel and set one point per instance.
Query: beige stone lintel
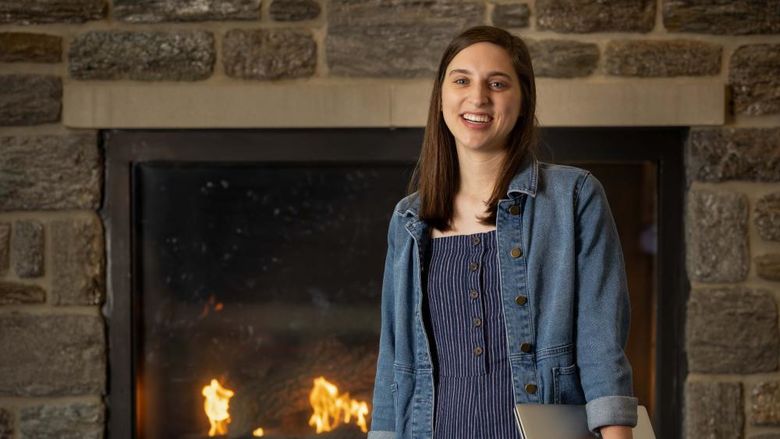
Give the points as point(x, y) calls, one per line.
point(361, 103)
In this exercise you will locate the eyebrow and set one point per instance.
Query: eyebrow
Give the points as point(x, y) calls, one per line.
point(468, 72)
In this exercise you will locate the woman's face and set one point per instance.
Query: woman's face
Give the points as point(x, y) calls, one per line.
point(481, 97)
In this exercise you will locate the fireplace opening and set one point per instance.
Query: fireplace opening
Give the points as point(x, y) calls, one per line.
point(245, 271)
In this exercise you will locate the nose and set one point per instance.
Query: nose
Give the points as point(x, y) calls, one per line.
point(479, 94)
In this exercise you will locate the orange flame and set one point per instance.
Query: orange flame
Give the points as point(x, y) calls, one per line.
point(216, 406)
point(330, 407)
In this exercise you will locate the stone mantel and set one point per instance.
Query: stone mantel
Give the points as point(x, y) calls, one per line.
point(377, 103)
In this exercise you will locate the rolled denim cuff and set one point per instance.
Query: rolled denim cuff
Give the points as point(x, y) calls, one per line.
point(381, 435)
point(611, 410)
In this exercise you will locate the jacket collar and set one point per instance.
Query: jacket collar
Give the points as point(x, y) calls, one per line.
point(524, 182)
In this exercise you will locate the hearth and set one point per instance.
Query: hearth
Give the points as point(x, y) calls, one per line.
point(245, 270)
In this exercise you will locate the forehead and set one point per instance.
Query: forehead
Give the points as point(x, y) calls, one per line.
point(482, 57)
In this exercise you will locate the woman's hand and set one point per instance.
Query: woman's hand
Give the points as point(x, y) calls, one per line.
point(616, 432)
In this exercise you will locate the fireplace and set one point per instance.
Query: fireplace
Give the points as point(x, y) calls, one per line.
point(245, 269)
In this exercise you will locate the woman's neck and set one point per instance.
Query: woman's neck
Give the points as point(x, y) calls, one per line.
point(478, 173)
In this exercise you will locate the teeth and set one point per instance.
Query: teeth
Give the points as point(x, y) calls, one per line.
point(476, 118)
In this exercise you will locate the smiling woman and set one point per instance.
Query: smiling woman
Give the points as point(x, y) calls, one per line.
point(504, 281)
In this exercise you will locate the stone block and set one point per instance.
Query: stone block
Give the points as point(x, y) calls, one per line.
point(511, 15)
point(51, 11)
point(269, 54)
point(713, 410)
point(5, 247)
point(563, 58)
point(766, 217)
point(29, 99)
point(50, 172)
point(768, 266)
point(662, 58)
point(14, 293)
point(584, 16)
point(732, 330)
point(77, 261)
point(52, 355)
point(30, 47)
point(27, 247)
point(717, 236)
point(718, 17)
point(765, 403)
point(294, 10)
point(155, 11)
point(394, 38)
point(144, 56)
point(720, 154)
point(754, 79)
point(76, 420)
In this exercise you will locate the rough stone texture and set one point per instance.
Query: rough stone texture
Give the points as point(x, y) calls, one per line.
point(508, 15)
point(747, 343)
point(269, 54)
point(719, 154)
point(144, 56)
point(768, 266)
point(595, 15)
point(394, 38)
point(717, 236)
point(754, 79)
point(51, 11)
point(154, 11)
point(765, 436)
point(767, 217)
point(13, 293)
point(30, 47)
point(76, 420)
point(77, 261)
point(294, 10)
point(765, 403)
point(735, 17)
point(713, 410)
point(562, 58)
point(5, 247)
point(51, 355)
point(30, 99)
point(50, 172)
point(662, 58)
point(27, 247)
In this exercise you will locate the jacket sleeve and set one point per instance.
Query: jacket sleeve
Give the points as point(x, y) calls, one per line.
point(383, 411)
point(603, 312)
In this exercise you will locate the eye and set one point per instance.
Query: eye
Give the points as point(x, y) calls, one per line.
point(498, 84)
point(457, 81)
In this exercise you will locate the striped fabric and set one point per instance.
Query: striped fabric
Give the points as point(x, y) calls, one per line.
point(473, 379)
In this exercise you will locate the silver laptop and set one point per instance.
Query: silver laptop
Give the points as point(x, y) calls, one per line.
point(562, 421)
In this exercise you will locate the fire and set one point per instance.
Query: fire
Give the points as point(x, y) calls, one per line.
point(216, 406)
point(330, 407)
point(258, 432)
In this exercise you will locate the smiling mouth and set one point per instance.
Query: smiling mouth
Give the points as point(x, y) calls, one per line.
point(476, 119)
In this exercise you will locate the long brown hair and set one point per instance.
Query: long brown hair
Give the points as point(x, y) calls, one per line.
point(436, 177)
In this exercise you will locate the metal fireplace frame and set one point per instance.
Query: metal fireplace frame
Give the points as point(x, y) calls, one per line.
point(125, 148)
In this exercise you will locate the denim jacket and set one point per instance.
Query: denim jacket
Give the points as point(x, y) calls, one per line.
point(564, 292)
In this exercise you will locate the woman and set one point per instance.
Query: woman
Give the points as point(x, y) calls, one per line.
point(504, 280)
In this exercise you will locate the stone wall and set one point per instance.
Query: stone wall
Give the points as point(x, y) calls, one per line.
point(52, 251)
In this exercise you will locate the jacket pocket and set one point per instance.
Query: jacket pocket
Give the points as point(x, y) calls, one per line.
point(567, 388)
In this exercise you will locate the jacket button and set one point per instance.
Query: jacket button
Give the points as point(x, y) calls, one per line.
point(516, 252)
point(473, 294)
point(521, 300)
point(473, 266)
point(525, 347)
point(477, 322)
point(514, 210)
point(530, 388)
point(478, 351)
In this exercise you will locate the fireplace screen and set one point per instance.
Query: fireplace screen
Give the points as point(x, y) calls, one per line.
point(259, 291)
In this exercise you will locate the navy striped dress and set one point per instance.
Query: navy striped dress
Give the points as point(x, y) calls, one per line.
point(473, 379)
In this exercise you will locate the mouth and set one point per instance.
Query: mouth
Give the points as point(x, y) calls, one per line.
point(476, 120)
